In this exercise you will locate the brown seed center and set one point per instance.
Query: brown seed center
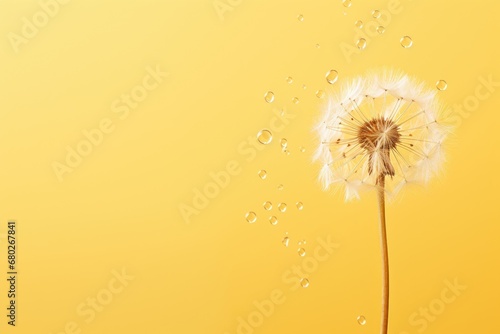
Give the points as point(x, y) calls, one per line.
point(382, 135)
point(378, 133)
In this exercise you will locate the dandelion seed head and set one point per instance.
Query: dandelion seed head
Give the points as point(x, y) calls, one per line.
point(385, 123)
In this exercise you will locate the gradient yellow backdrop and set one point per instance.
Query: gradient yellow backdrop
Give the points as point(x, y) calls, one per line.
point(119, 209)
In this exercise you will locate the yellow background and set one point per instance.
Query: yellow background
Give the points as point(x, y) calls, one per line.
point(120, 207)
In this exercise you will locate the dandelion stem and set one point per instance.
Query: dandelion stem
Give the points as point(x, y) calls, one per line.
point(385, 254)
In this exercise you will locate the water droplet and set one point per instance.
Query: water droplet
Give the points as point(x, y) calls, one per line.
point(273, 220)
point(289, 80)
point(301, 251)
point(304, 282)
point(359, 24)
point(347, 3)
point(285, 241)
point(361, 43)
point(251, 217)
point(320, 94)
point(262, 174)
point(376, 13)
point(267, 205)
point(380, 29)
point(295, 100)
point(441, 85)
point(284, 143)
point(264, 136)
point(332, 76)
point(406, 42)
point(281, 187)
point(304, 87)
point(300, 18)
point(302, 149)
point(317, 46)
point(299, 205)
point(269, 97)
point(361, 320)
point(282, 207)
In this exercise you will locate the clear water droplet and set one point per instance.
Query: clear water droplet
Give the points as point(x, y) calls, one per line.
point(332, 76)
point(273, 220)
point(295, 100)
point(289, 80)
point(302, 149)
point(281, 187)
point(286, 241)
point(361, 320)
point(269, 97)
point(304, 87)
point(406, 42)
point(267, 205)
point(304, 282)
point(284, 143)
point(441, 85)
point(251, 217)
point(262, 174)
point(299, 205)
point(300, 18)
point(376, 13)
point(264, 136)
point(301, 251)
point(282, 207)
point(361, 43)
point(381, 29)
point(347, 3)
point(359, 24)
point(320, 94)
point(318, 46)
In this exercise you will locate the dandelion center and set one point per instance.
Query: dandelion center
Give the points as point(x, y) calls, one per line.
point(379, 136)
point(379, 133)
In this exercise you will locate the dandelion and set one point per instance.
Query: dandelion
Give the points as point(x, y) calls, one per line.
point(383, 132)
